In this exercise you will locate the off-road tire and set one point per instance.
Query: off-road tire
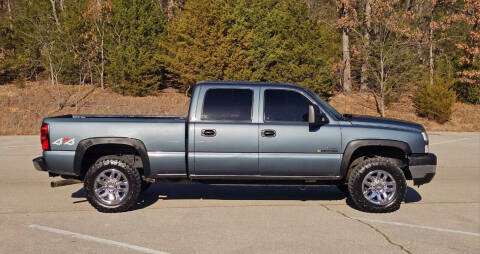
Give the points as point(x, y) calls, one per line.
point(359, 173)
point(343, 185)
point(118, 163)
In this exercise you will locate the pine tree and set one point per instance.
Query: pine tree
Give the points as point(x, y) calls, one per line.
point(134, 58)
point(207, 41)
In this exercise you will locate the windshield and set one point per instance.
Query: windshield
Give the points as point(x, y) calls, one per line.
point(331, 110)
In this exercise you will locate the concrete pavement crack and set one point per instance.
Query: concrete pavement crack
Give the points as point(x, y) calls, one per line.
point(385, 236)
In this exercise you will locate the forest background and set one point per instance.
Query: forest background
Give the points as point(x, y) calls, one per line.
point(419, 56)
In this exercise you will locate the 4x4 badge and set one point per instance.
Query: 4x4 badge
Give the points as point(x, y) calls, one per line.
point(64, 141)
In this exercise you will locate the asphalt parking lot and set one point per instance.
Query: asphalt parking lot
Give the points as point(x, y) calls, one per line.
point(440, 217)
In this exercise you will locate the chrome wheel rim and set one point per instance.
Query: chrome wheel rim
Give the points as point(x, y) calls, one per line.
point(379, 187)
point(111, 186)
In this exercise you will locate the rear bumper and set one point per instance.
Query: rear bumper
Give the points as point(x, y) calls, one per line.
point(39, 164)
point(422, 167)
point(56, 163)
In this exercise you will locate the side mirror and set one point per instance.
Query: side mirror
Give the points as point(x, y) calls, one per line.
point(316, 118)
point(311, 114)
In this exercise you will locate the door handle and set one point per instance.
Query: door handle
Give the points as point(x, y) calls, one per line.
point(268, 133)
point(209, 132)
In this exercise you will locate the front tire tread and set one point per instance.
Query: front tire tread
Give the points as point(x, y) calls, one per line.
point(361, 170)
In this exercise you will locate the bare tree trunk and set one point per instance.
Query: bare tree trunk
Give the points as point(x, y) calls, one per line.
point(366, 37)
point(54, 10)
point(101, 34)
point(103, 65)
point(431, 54)
point(418, 5)
point(382, 86)
point(52, 75)
point(9, 9)
point(347, 78)
point(62, 6)
point(91, 73)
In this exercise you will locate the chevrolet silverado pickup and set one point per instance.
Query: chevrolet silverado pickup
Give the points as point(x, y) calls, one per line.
point(239, 133)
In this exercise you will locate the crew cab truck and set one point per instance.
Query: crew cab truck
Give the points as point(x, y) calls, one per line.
point(239, 133)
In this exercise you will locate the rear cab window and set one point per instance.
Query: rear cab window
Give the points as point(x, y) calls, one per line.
point(225, 104)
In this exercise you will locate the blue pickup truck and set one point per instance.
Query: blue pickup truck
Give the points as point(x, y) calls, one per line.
point(239, 133)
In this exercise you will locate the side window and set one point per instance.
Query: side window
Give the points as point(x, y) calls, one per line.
point(285, 106)
point(228, 105)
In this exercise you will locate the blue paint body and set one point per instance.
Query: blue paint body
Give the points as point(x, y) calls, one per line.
point(176, 147)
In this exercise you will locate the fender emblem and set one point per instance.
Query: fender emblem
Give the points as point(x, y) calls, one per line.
point(64, 141)
point(327, 149)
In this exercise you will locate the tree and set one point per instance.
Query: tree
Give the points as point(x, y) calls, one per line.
point(469, 63)
point(366, 45)
point(207, 42)
point(37, 39)
point(99, 20)
point(390, 65)
point(290, 47)
point(347, 20)
point(438, 22)
point(134, 64)
point(77, 37)
point(20, 50)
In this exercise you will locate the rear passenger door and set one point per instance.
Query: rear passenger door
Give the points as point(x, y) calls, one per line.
point(226, 132)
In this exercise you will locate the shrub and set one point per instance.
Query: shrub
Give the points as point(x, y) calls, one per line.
point(468, 93)
point(435, 102)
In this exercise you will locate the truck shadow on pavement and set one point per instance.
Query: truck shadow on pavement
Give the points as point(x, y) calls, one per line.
point(219, 192)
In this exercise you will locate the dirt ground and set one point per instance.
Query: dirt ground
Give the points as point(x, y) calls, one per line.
point(22, 109)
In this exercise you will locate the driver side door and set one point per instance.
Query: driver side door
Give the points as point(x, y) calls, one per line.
point(288, 146)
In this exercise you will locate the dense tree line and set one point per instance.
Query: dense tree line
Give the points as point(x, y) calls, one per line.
point(138, 46)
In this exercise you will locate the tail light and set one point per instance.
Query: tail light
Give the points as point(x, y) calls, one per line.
point(45, 137)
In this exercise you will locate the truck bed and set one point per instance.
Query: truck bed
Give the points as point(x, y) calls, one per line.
point(163, 136)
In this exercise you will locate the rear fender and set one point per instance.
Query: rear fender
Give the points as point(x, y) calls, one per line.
point(85, 144)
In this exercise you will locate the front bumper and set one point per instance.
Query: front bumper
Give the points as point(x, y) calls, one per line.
point(39, 164)
point(422, 167)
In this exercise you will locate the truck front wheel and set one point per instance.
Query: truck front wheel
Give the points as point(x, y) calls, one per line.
point(112, 184)
point(377, 185)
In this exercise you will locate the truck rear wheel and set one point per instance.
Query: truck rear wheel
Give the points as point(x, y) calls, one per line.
point(377, 185)
point(112, 185)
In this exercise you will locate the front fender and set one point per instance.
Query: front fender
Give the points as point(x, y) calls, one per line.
point(353, 145)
